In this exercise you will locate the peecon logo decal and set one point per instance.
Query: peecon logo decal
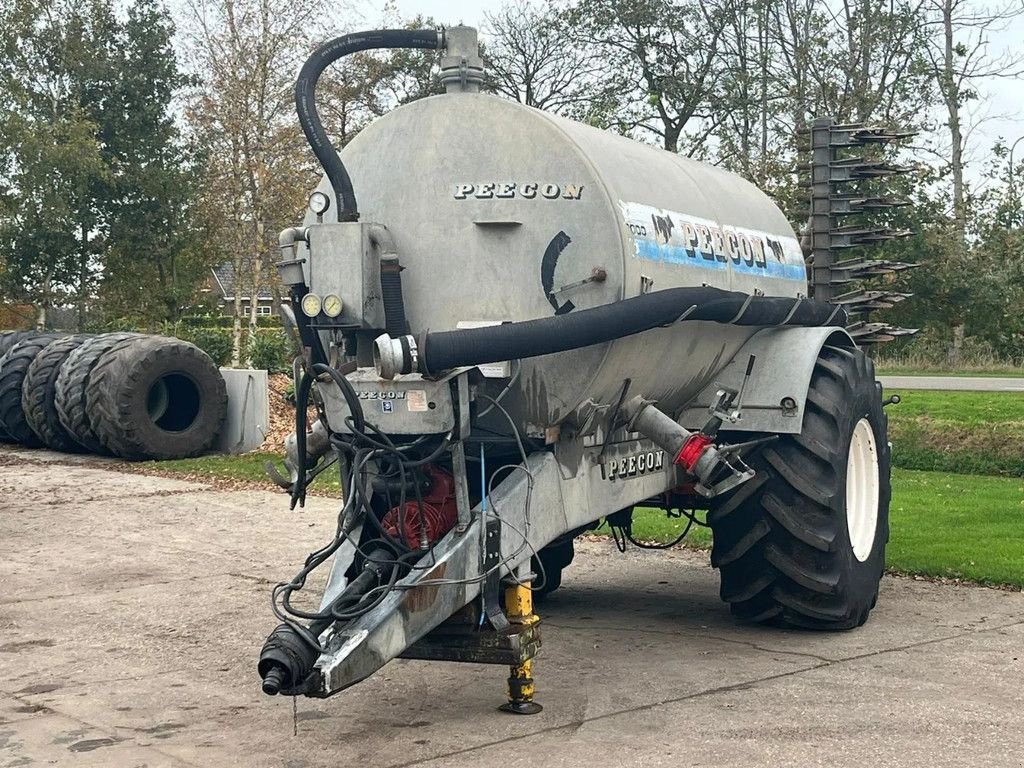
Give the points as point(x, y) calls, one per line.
point(510, 190)
point(679, 238)
point(633, 465)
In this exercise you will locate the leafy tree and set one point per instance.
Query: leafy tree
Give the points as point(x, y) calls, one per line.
point(360, 88)
point(96, 189)
point(157, 253)
point(54, 74)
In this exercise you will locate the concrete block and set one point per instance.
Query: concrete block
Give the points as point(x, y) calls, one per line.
point(248, 417)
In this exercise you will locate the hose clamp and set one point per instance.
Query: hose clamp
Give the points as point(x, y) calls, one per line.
point(796, 306)
point(743, 310)
point(410, 354)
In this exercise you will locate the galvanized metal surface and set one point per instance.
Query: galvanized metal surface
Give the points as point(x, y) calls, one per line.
point(406, 405)
point(248, 415)
point(354, 278)
point(557, 492)
point(502, 213)
point(774, 396)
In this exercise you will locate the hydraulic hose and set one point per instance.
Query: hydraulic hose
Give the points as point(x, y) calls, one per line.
point(395, 323)
point(305, 99)
point(441, 350)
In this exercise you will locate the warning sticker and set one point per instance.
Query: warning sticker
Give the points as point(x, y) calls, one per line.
point(417, 400)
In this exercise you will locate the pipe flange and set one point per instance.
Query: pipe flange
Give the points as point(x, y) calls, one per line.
point(395, 356)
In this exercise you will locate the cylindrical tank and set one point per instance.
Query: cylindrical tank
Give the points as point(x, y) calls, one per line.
point(503, 213)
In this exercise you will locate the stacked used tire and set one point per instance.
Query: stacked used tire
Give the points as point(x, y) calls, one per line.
point(122, 394)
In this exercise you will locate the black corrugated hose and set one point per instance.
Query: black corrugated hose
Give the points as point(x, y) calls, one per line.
point(394, 305)
point(441, 350)
point(305, 99)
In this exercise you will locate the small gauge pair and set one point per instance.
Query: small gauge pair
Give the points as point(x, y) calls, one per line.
point(331, 305)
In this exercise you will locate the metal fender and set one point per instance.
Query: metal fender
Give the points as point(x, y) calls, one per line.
point(774, 396)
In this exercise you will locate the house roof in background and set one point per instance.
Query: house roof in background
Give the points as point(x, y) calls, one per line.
point(224, 277)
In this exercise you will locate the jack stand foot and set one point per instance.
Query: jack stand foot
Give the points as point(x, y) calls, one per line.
point(520, 691)
point(521, 708)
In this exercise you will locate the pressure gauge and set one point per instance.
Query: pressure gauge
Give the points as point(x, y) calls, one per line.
point(332, 305)
point(311, 305)
point(319, 202)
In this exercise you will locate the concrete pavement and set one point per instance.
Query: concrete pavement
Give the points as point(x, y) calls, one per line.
point(132, 610)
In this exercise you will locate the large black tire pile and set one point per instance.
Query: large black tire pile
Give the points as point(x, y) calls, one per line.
point(121, 394)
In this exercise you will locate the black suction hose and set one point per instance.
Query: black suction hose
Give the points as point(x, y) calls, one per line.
point(305, 99)
point(442, 350)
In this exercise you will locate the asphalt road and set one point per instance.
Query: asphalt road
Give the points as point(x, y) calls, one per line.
point(132, 610)
point(956, 383)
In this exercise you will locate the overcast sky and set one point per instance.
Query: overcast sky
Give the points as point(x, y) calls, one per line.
point(1001, 105)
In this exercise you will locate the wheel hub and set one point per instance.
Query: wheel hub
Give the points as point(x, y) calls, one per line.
point(862, 490)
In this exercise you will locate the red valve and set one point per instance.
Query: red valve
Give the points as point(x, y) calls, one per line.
point(692, 450)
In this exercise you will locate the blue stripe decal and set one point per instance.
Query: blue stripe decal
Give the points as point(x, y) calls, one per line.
point(674, 254)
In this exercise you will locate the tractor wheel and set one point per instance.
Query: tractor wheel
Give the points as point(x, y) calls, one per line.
point(70, 388)
point(7, 340)
point(13, 367)
point(554, 558)
point(38, 395)
point(803, 543)
point(156, 398)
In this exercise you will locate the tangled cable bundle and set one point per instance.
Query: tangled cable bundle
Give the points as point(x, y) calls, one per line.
point(405, 534)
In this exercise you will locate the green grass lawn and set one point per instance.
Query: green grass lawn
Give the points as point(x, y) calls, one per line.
point(956, 526)
point(942, 524)
point(963, 432)
point(248, 468)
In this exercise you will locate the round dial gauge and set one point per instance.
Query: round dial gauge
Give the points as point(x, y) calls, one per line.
point(319, 202)
point(332, 305)
point(311, 305)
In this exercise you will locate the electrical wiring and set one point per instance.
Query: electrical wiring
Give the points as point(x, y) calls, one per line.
point(508, 417)
point(512, 380)
point(371, 453)
point(669, 545)
point(627, 533)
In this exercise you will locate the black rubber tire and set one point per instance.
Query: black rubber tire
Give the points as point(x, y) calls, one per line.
point(7, 340)
point(554, 558)
point(13, 367)
point(38, 395)
point(120, 391)
point(72, 380)
point(782, 541)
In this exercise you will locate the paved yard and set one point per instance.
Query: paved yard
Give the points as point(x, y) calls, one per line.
point(132, 610)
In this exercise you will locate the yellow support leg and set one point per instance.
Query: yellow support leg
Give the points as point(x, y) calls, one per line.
point(519, 609)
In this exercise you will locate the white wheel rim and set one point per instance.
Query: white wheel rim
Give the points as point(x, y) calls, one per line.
point(862, 490)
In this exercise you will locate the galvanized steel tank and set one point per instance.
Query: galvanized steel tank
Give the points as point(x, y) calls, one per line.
point(505, 213)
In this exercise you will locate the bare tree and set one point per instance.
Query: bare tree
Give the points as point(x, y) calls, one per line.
point(534, 58)
point(749, 141)
point(959, 58)
point(854, 60)
point(245, 54)
point(670, 56)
